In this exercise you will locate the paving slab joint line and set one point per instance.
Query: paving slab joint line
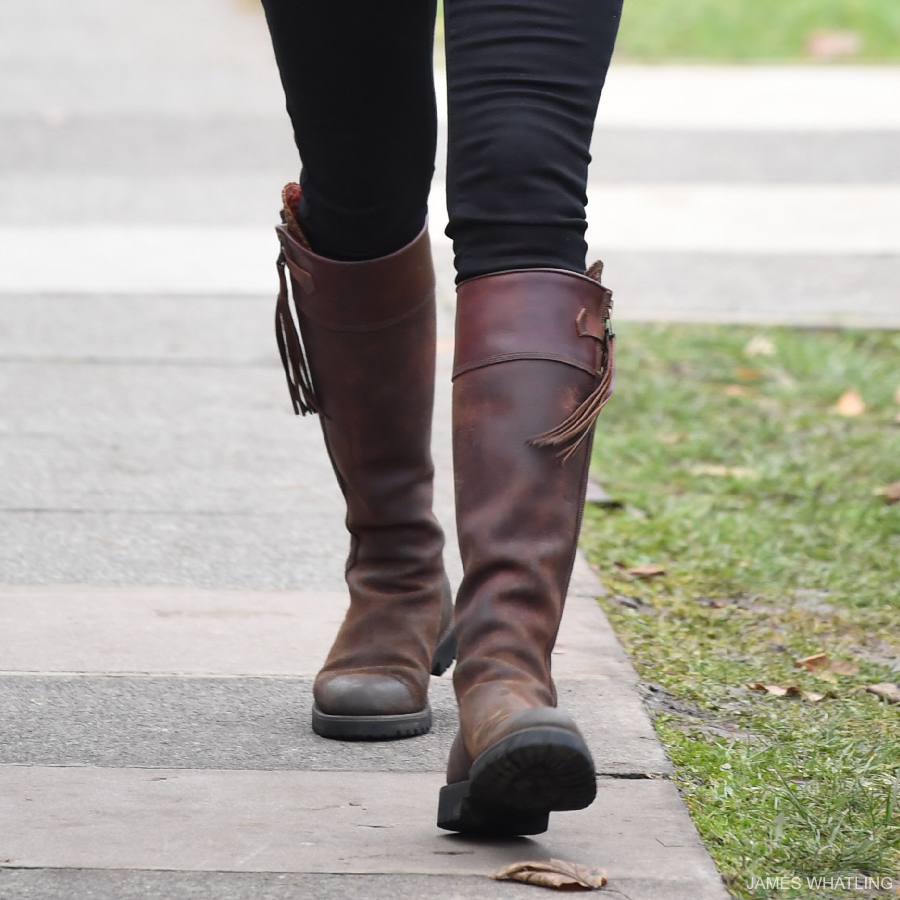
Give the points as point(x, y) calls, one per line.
point(600, 775)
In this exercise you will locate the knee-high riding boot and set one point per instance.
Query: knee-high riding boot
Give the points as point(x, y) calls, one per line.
point(533, 368)
point(366, 365)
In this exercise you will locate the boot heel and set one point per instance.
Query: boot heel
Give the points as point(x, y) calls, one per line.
point(444, 654)
point(514, 785)
point(458, 812)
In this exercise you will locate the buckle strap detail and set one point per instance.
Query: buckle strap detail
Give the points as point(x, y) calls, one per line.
point(525, 314)
point(571, 433)
point(590, 326)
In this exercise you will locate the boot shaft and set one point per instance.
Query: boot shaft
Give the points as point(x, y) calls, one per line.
point(362, 355)
point(531, 351)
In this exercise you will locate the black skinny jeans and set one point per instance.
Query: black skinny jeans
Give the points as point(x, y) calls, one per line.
point(524, 80)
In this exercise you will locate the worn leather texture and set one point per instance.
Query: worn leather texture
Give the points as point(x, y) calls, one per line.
point(368, 337)
point(518, 505)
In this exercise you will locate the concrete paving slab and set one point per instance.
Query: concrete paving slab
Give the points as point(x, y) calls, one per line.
point(213, 454)
point(92, 503)
point(240, 201)
point(214, 154)
point(95, 329)
point(719, 218)
point(192, 631)
point(137, 259)
point(158, 328)
point(752, 97)
point(142, 145)
point(112, 884)
point(100, 56)
point(256, 551)
point(745, 218)
point(837, 290)
point(175, 630)
point(157, 474)
point(263, 723)
point(265, 822)
point(173, 475)
point(757, 157)
point(161, 475)
point(246, 196)
point(132, 477)
point(106, 58)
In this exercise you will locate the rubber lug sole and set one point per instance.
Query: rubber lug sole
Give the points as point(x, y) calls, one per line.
point(515, 785)
point(371, 728)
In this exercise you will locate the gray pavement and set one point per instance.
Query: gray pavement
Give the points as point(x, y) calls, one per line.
point(171, 540)
point(172, 559)
point(104, 884)
point(262, 723)
point(123, 119)
point(324, 822)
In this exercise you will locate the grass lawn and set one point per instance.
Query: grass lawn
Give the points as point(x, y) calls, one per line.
point(740, 478)
point(756, 30)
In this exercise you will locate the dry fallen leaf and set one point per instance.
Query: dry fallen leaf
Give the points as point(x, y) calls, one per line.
point(775, 689)
point(850, 403)
point(790, 691)
point(710, 470)
point(723, 471)
point(737, 390)
point(823, 667)
point(712, 602)
point(885, 690)
point(554, 873)
point(759, 346)
point(647, 571)
point(810, 663)
point(748, 373)
point(891, 492)
point(831, 44)
point(843, 667)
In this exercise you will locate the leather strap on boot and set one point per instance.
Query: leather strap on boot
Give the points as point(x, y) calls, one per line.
point(519, 323)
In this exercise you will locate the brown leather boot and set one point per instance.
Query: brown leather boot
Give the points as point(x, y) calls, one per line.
point(533, 347)
point(368, 331)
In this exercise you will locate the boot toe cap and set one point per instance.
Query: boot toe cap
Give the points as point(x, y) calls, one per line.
point(364, 694)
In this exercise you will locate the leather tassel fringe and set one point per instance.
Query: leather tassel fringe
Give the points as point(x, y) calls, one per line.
point(570, 434)
point(296, 368)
